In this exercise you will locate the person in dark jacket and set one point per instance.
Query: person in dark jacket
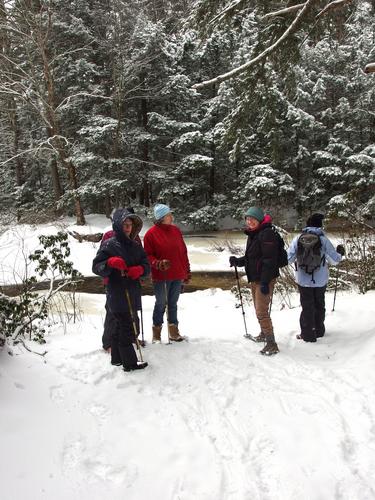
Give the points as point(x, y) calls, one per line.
point(110, 323)
point(167, 254)
point(123, 262)
point(262, 269)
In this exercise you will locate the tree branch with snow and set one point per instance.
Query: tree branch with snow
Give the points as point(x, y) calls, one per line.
point(244, 67)
point(303, 10)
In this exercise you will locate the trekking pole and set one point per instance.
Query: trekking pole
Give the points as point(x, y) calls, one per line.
point(134, 325)
point(166, 304)
point(270, 308)
point(334, 295)
point(142, 330)
point(240, 295)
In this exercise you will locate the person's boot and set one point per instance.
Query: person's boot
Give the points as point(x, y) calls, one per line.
point(271, 347)
point(174, 334)
point(260, 338)
point(139, 366)
point(156, 334)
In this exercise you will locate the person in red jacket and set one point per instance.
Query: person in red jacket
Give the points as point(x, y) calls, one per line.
point(167, 254)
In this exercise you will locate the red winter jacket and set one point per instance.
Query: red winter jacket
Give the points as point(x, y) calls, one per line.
point(165, 241)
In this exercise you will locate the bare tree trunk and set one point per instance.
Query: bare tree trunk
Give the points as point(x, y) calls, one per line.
point(19, 169)
point(5, 46)
point(55, 180)
point(145, 155)
point(54, 125)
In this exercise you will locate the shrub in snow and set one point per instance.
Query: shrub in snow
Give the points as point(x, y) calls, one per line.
point(25, 314)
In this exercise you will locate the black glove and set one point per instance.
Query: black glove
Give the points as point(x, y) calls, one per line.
point(340, 249)
point(233, 261)
point(264, 288)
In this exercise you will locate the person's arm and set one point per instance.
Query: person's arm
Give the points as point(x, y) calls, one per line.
point(185, 255)
point(329, 251)
point(99, 265)
point(292, 250)
point(148, 242)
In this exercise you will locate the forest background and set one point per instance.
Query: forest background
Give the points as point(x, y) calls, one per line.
point(107, 103)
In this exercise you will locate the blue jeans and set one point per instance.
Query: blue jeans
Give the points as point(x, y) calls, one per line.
point(173, 293)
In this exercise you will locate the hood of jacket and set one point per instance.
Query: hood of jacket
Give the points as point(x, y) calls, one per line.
point(118, 219)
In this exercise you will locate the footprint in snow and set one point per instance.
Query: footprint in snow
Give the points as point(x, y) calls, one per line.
point(101, 412)
point(56, 393)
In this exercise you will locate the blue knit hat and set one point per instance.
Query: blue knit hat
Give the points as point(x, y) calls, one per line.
point(160, 211)
point(255, 212)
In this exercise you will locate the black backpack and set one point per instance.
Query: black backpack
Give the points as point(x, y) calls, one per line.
point(309, 256)
point(282, 259)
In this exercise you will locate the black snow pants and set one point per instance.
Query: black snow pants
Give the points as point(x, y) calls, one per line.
point(313, 312)
point(122, 350)
point(110, 325)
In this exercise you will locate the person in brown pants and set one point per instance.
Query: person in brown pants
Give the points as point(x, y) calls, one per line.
point(261, 261)
point(261, 303)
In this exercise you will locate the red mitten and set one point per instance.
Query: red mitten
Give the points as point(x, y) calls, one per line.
point(117, 263)
point(135, 272)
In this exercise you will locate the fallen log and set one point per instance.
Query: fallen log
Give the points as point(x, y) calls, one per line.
point(93, 238)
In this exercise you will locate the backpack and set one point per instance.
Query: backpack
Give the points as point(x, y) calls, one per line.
point(282, 258)
point(309, 256)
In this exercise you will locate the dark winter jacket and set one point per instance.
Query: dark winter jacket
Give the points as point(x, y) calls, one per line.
point(165, 241)
point(110, 234)
point(133, 254)
point(262, 252)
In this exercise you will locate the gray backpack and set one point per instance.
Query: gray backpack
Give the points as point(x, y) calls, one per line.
point(309, 256)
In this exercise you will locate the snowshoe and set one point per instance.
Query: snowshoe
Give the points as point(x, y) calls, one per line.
point(250, 337)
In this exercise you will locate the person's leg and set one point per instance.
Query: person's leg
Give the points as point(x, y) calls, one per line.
point(115, 335)
point(307, 317)
point(125, 340)
point(109, 326)
point(159, 307)
point(262, 309)
point(158, 313)
point(320, 310)
point(174, 291)
point(261, 337)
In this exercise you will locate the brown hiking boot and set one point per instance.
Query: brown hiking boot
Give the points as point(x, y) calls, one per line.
point(174, 334)
point(271, 347)
point(260, 338)
point(156, 334)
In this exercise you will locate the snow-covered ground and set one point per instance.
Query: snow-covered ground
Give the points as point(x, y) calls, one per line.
point(210, 419)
